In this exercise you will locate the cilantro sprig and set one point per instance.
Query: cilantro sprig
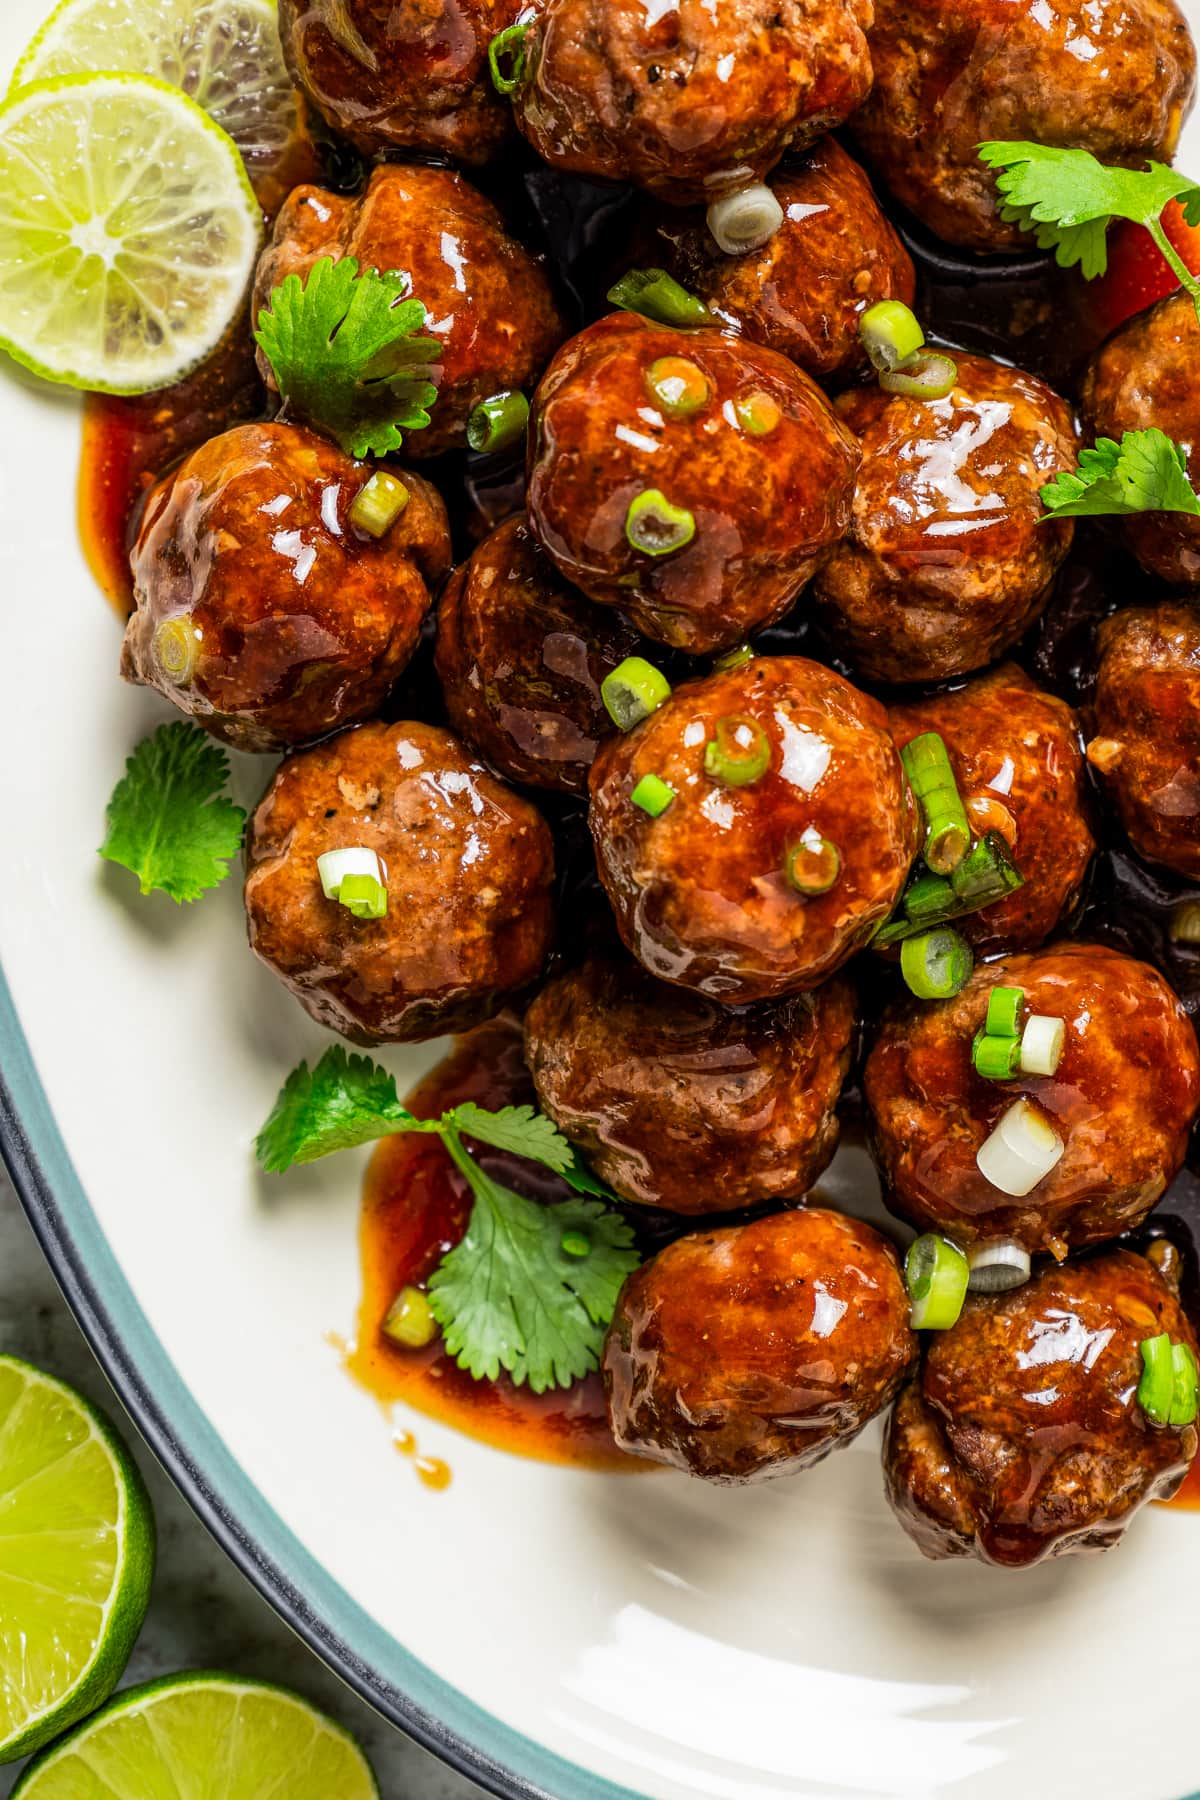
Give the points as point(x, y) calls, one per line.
point(530, 1288)
point(347, 353)
point(168, 822)
point(1145, 472)
point(1067, 199)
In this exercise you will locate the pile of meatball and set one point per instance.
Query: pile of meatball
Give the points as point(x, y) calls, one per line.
point(694, 1041)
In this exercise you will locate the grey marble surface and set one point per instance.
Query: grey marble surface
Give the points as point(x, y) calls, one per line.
point(203, 1614)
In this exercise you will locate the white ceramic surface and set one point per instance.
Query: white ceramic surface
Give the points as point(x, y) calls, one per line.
point(668, 1639)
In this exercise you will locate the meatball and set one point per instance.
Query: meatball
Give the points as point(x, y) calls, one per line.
point(521, 656)
point(486, 297)
point(756, 1350)
point(762, 888)
point(1122, 1101)
point(1114, 77)
point(747, 475)
point(1145, 375)
point(402, 74)
point(679, 1102)
point(1016, 757)
point(1147, 711)
point(469, 868)
point(804, 292)
point(693, 100)
point(1020, 1436)
point(947, 559)
point(260, 608)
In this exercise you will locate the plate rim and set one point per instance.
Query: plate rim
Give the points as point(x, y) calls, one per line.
point(392, 1680)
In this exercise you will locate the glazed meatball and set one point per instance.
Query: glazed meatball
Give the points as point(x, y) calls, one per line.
point(756, 478)
point(1147, 711)
point(679, 1102)
point(402, 74)
point(947, 559)
point(521, 656)
point(1144, 376)
point(469, 867)
point(1021, 1436)
point(1122, 1101)
point(1016, 757)
point(261, 609)
point(762, 888)
point(804, 292)
point(486, 297)
point(691, 101)
point(756, 1350)
point(1111, 76)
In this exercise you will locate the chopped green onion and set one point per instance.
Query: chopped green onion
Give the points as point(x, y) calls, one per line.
point(506, 52)
point(334, 865)
point(947, 833)
point(1020, 1151)
point(378, 503)
point(632, 691)
point(658, 296)
point(996, 1058)
point(499, 421)
point(998, 1266)
point(986, 874)
point(1183, 1395)
point(935, 1273)
point(1184, 927)
point(746, 220)
point(1042, 1044)
point(1004, 1012)
point(410, 1320)
point(176, 647)
point(936, 964)
point(930, 900)
point(677, 385)
point(1156, 1389)
point(574, 1243)
point(739, 754)
point(813, 865)
point(653, 795)
point(656, 525)
point(734, 659)
point(926, 376)
point(363, 896)
point(890, 334)
point(757, 413)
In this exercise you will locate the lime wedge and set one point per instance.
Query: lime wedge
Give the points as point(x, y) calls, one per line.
point(76, 1558)
point(128, 231)
point(203, 1737)
point(225, 53)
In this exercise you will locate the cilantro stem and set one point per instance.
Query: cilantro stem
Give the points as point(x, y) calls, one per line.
point(1176, 263)
point(462, 1159)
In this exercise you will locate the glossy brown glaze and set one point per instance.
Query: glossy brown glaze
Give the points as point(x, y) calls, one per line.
point(1016, 757)
point(765, 507)
point(756, 1350)
point(805, 291)
point(520, 656)
point(469, 864)
point(301, 621)
point(1147, 717)
point(1021, 1436)
point(700, 893)
point(682, 1103)
point(402, 74)
point(946, 561)
point(487, 299)
point(688, 100)
point(1145, 375)
point(1115, 77)
point(1123, 1099)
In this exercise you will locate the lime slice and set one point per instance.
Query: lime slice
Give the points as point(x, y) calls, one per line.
point(225, 53)
point(203, 1737)
point(76, 1557)
point(128, 231)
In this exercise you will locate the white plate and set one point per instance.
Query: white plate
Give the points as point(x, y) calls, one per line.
point(544, 1628)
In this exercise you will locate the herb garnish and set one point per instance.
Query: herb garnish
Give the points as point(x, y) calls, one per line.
point(347, 355)
point(530, 1288)
point(1145, 472)
point(167, 820)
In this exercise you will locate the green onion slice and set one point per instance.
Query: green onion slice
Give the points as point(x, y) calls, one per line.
point(986, 874)
point(1183, 1389)
point(1184, 925)
point(930, 900)
point(356, 859)
point(739, 753)
point(890, 334)
point(736, 658)
point(677, 385)
point(410, 1321)
point(758, 413)
point(745, 220)
point(506, 57)
point(1004, 1012)
point(378, 503)
point(656, 525)
point(935, 1273)
point(1042, 1044)
point(176, 646)
point(813, 865)
point(1156, 1389)
point(653, 795)
point(363, 896)
point(926, 376)
point(574, 1243)
point(632, 691)
point(947, 833)
point(499, 421)
point(1020, 1151)
point(937, 964)
point(658, 296)
point(996, 1058)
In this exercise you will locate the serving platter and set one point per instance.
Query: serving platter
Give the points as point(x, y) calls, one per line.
point(546, 1629)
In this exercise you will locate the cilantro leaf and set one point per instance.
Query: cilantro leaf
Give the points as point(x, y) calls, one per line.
point(167, 820)
point(343, 1102)
point(1145, 472)
point(518, 1129)
point(347, 355)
